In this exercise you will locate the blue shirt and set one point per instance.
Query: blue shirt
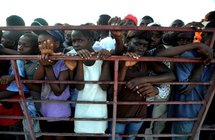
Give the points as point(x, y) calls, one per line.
point(13, 85)
point(183, 72)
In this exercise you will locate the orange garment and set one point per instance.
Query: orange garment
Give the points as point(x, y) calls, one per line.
point(197, 37)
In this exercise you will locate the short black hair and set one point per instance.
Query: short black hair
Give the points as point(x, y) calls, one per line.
point(39, 22)
point(103, 19)
point(148, 18)
point(91, 34)
point(15, 20)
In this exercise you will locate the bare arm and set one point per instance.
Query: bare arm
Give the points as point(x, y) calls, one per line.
point(79, 75)
point(38, 75)
point(163, 74)
point(205, 51)
point(4, 50)
point(105, 75)
point(57, 88)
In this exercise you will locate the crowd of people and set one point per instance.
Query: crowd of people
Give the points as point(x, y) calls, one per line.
point(141, 79)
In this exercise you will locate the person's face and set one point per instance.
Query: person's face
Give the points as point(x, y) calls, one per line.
point(67, 34)
point(43, 38)
point(25, 47)
point(156, 38)
point(8, 43)
point(79, 41)
point(138, 46)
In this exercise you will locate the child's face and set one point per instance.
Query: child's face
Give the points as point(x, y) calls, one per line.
point(25, 47)
point(156, 38)
point(42, 38)
point(79, 41)
point(138, 46)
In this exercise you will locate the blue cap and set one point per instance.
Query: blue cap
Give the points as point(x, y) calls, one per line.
point(56, 34)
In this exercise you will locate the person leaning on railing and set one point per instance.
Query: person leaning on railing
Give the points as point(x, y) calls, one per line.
point(27, 45)
point(139, 83)
point(189, 72)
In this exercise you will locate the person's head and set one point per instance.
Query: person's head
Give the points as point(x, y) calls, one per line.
point(156, 36)
point(146, 20)
point(139, 42)
point(83, 39)
point(28, 44)
point(15, 20)
point(184, 38)
point(209, 35)
point(103, 19)
point(54, 36)
point(39, 22)
point(10, 39)
point(177, 23)
point(210, 16)
point(67, 36)
point(130, 20)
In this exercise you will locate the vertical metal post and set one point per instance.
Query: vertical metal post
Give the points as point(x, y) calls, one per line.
point(116, 68)
point(204, 109)
point(212, 40)
point(23, 100)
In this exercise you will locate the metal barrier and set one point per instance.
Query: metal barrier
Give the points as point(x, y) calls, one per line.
point(198, 121)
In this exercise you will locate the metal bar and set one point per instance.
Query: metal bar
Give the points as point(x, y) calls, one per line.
point(204, 109)
point(110, 102)
point(104, 27)
point(109, 82)
point(111, 58)
point(212, 40)
point(116, 69)
point(22, 98)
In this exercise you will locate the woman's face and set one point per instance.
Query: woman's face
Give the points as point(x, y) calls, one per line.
point(79, 41)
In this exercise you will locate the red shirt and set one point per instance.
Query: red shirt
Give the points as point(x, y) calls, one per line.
point(14, 111)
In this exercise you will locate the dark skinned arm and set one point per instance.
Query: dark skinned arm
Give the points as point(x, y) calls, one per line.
point(57, 88)
point(79, 75)
point(205, 51)
point(122, 73)
point(119, 46)
point(38, 75)
point(105, 74)
point(163, 74)
point(194, 77)
point(8, 51)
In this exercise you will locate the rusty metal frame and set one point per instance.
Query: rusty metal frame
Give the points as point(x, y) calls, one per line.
point(198, 121)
